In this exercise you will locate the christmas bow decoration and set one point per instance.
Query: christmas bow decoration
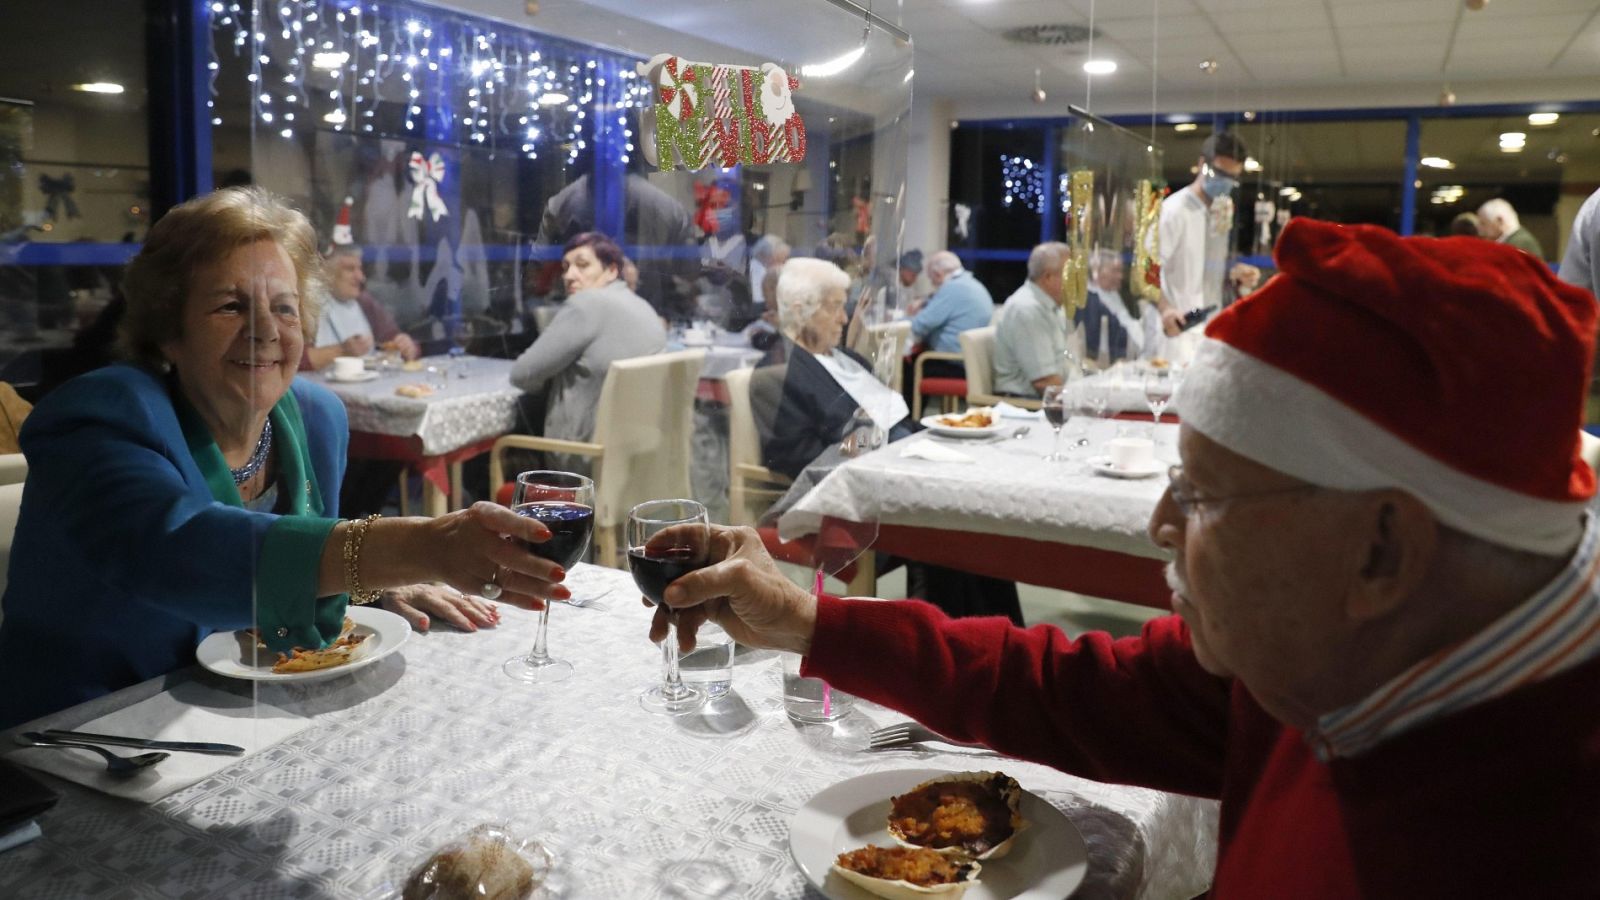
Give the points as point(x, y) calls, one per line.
point(58, 195)
point(428, 175)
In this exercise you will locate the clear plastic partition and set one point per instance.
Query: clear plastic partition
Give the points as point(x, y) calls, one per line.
point(1108, 195)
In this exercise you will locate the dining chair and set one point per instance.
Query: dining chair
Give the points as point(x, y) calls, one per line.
point(13, 473)
point(752, 487)
point(900, 334)
point(644, 427)
point(748, 480)
point(947, 389)
point(977, 351)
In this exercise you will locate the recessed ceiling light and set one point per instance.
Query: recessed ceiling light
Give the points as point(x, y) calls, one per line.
point(1185, 126)
point(1100, 66)
point(1437, 162)
point(1514, 137)
point(99, 87)
point(1543, 118)
point(1511, 148)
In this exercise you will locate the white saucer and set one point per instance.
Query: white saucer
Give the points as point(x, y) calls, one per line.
point(354, 379)
point(1103, 466)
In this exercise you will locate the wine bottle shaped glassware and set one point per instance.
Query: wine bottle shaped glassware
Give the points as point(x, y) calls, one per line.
point(668, 539)
point(564, 502)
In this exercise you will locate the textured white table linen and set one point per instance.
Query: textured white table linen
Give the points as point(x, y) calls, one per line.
point(416, 749)
point(190, 712)
point(1011, 491)
point(466, 410)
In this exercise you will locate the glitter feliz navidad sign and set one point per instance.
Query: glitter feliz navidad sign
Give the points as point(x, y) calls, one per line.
point(707, 114)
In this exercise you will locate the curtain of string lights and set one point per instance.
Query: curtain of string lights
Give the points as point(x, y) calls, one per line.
point(420, 73)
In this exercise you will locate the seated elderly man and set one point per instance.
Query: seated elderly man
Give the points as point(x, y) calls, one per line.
point(959, 303)
point(1112, 329)
point(1386, 651)
point(1032, 334)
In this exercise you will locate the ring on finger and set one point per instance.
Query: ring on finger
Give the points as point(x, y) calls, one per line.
point(491, 588)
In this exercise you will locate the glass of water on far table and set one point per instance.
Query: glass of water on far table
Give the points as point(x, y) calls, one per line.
point(564, 503)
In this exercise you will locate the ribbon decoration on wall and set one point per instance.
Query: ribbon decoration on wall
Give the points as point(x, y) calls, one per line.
point(704, 114)
point(58, 196)
point(428, 174)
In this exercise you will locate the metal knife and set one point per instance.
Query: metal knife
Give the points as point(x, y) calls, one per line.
point(143, 743)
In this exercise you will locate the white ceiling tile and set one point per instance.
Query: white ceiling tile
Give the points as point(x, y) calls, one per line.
point(1393, 12)
point(1169, 28)
point(1415, 35)
point(1556, 28)
point(1225, 6)
point(1256, 21)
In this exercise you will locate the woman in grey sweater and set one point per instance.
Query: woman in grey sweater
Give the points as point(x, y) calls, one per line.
point(600, 322)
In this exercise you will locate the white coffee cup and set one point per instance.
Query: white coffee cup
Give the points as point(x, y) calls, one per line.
point(1131, 454)
point(346, 368)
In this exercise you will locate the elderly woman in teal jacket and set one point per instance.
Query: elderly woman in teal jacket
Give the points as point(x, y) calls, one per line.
point(196, 489)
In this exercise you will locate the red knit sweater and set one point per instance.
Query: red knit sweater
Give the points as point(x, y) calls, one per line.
point(1500, 800)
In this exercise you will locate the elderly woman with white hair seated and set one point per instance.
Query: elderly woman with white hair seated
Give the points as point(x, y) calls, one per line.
point(824, 384)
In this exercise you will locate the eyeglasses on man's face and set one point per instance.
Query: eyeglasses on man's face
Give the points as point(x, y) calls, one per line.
point(1184, 497)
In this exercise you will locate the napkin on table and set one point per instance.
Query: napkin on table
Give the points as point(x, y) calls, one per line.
point(1006, 411)
point(934, 453)
point(191, 711)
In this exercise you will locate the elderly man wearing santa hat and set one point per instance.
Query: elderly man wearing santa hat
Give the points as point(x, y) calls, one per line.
point(1386, 651)
point(353, 322)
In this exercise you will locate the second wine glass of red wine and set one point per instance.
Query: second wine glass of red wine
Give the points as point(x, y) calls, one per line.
point(668, 539)
point(564, 503)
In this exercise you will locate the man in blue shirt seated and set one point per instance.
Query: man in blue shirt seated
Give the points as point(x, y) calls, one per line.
point(959, 303)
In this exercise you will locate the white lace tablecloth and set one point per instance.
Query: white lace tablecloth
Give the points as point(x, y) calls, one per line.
point(416, 749)
point(481, 405)
point(1009, 490)
point(1126, 381)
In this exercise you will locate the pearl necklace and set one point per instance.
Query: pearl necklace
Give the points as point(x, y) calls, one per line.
point(257, 459)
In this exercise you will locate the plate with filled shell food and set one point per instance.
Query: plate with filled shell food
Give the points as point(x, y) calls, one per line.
point(977, 421)
point(922, 834)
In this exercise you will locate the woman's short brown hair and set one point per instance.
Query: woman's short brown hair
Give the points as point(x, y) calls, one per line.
point(204, 230)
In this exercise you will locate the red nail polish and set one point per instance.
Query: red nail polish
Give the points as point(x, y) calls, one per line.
point(558, 573)
point(562, 593)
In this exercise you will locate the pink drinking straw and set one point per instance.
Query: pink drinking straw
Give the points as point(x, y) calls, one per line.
point(827, 691)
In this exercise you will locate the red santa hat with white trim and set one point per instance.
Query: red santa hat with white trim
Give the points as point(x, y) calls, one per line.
point(342, 235)
point(1455, 369)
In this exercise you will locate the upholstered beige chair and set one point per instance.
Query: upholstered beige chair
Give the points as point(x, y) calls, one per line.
point(641, 448)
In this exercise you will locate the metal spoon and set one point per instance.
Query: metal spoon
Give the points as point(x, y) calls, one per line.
point(116, 766)
point(1022, 431)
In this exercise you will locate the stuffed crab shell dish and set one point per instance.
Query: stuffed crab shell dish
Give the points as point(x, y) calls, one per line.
point(972, 814)
point(907, 873)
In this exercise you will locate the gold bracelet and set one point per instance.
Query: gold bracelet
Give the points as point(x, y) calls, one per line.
point(353, 536)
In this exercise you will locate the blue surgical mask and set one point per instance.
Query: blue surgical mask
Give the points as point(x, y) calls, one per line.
point(1217, 184)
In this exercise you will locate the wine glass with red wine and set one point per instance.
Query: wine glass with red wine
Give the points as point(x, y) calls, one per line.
point(1054, 404)
point(564, 502)
point(668, 539)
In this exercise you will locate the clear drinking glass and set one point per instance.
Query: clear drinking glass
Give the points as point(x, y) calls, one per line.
point(668, 539)
point(1054, 405)
point(461, 334)
point(1157, 393)
point(564, 502)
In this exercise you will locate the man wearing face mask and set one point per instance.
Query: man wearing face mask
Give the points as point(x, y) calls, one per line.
point(1195, 224)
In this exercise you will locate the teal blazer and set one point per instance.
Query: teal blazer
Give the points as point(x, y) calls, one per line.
point(131, 547)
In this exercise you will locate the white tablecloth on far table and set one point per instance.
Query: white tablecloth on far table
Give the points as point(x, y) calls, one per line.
point(411, 752)
point(1009, 490)
point(1126, 381)
point(466, 410)
point(720, 360)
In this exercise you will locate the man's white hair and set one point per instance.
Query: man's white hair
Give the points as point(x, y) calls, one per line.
point(1501, 211)
point(944, 263)
point(1046, 258)
point(801, 288)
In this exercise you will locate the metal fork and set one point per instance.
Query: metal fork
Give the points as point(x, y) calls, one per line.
point(904, 734)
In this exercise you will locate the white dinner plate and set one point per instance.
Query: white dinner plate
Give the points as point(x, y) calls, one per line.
point(933, 424)
point(353, 379)
point(1048, 861)
point(1102, 465)
point(229, 652)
